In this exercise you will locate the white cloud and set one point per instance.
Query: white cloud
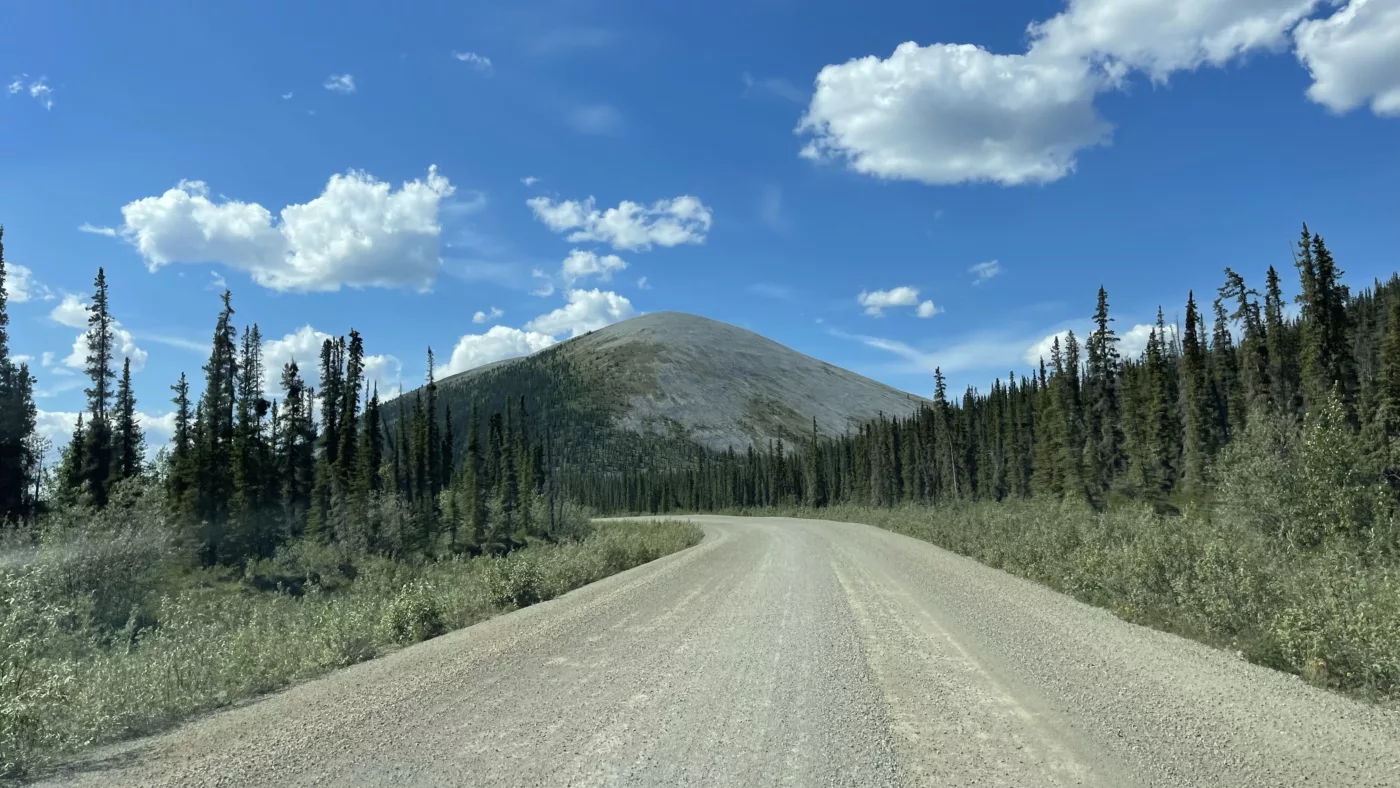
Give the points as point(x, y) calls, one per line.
point(73, 312)
point(596, 119)
point(499, 342)
point(479, 62)
point(529, 180)
point(876, 301)
point(21, 286)
point(304, 347)
point(22, 358)
point(927, 309)
point(1158, 37)
point(587, 310)
point(486, 317)
point(340, 83)
point(1133, 342)
point(1044, 349)
point(985, 271)
point(630, 226)
point(582, 264)
point(642, 283)
point(38, 89)
point(359, 233)
point(1354, 56)
point(46, 358)
point(58, 426)
point(948, 113)
point(286, 95)
point(88, 228)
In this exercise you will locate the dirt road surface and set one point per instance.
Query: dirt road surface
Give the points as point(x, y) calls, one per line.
point(785, 652)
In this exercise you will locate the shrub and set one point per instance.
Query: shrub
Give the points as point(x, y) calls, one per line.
point(413, 616)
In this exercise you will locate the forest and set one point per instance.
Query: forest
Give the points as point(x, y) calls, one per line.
point(1237, 483)
point(1089, 425)
point(279, 535)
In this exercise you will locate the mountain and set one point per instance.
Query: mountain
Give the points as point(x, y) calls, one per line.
point(652, 388)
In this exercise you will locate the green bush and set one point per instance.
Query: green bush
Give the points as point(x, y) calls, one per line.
point(413, 616)
point(75, 673)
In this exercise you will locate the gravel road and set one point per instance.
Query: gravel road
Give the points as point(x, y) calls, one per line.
point(793, 653)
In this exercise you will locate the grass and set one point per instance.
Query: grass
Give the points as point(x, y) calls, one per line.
point(100, 639)
point(1329, 614)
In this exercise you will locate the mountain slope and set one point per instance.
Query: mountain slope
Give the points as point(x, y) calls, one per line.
point(661, 384)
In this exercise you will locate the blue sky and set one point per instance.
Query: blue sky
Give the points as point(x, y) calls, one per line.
point(793, 167)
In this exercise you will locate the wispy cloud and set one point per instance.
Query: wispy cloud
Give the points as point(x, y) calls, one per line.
point(770, 290)
point(770, 208)
point(88, 228)
point(642, 283)
point(529, 180)
point(287, 95)
point(596, 119)
point(38, 89)
point(985, 271)
point(566, 40)
point(340, 83)
point(772, 86)
point(481, 63)
point(171, 340)
point(483, 317)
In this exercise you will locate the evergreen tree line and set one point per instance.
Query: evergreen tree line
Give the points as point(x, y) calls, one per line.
point(1087, 424)
point(21, 449)
point(248, 470)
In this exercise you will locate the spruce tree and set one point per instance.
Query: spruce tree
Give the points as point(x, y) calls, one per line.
point(129, 442)
point(96, 454)
point(1200, 421)
point(18, 420)
point(180, 482)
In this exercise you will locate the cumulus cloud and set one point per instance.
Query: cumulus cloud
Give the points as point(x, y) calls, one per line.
point(1044, 348)
point(1354, 56)
point(582, 264)
point(73, 312)
point(927, 309)
point(304, 347)
point(37, 89)
point(630, 226)
point(498, 343)
point(877, 301)
point(21, 286)
point(949, 113)
point(587, 310)
point(57, 427)
point(479, 62)
point(985, 271)
point(340, 83)
point(360, 232)
point(1133, 342)
point(955, 113)
point(486, 317)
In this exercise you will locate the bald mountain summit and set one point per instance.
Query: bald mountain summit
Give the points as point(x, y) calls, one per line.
point(656, 388)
